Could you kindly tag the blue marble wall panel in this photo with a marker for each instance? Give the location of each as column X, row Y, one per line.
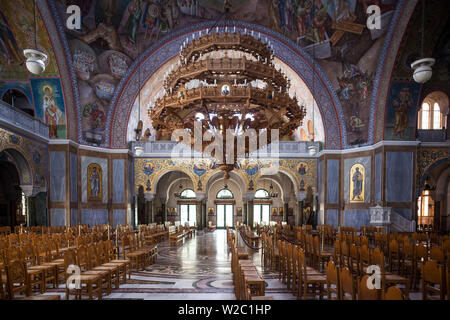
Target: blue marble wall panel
column 73, row 217
column 103, row 163
column 57, row 217
column 378, row 172
column 399, row 176
column 405, row 213
column 356, row 218
column 118, row 180
column 73, row 165
column 118, row 218
column 94, row 217
column 333, row 218
column 332, row 181
column 348, row 164
column 321, row 187
column 58, row 176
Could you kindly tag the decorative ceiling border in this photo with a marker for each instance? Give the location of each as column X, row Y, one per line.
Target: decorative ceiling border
column 56, row 33
column 286, row 50
column 389, row 54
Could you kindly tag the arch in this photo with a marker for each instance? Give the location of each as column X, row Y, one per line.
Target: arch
column 24, row 105
column 224, row 193
column 172, row 183
column 234, row 176
column 261, row 194
column 167, row 48
column 188, row 194
column 271, row 179
column 22, row 163
column 427, row 173
column 159, row 175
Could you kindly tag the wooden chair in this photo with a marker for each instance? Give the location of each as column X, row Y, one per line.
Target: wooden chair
column 437, row 255
column 387, row 277
column 347, row 284
column 393, row 293
column 320, row 255
column 364, row 293
column 432, row 281
column 3, row 279
column 17, row 278
column 89, row 284
column 354, row 260
column 395, row 259
column 337, row 253
column 84, row 262
column 310, row 284
column 95, row 263
column 420, row 257
column 137, row 258
column 333, row 283
column 110, row 256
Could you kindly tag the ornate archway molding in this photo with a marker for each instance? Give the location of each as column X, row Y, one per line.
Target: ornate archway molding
column 167, row 48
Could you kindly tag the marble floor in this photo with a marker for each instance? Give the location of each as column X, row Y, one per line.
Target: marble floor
column 198, row 269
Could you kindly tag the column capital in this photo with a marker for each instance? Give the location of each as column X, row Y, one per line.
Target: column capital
column 149, row 196
column 248, row 196
column 200, row 196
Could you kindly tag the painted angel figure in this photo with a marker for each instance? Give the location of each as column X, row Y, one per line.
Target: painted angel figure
column 95, row 183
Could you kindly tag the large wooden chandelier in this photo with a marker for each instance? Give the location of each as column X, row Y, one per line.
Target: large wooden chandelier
column 226, row 81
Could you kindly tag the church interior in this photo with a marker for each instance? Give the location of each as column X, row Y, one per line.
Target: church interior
column 224, row 150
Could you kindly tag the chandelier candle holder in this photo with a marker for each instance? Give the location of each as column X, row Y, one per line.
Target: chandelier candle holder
column 229, row 83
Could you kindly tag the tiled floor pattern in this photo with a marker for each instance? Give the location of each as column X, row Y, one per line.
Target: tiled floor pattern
column 199, row 269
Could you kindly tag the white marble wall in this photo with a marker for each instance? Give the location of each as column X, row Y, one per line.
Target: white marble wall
column 73, row 165
column 94, row 217
column 103, row 163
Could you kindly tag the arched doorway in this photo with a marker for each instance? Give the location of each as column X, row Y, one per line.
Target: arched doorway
column 11, row 197
column 18, row 100
column 433, row 203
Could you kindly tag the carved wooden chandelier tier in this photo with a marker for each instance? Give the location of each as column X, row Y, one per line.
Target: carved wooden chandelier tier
column 227, row 81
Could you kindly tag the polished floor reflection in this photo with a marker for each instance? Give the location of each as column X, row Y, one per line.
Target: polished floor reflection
column 198, row 269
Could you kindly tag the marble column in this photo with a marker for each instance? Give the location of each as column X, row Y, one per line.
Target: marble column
column 204, row 214
column 286, row 213
column 164, row 213
column 148, row 208
column 300, row 213
column 249, row 200
column 244, row 211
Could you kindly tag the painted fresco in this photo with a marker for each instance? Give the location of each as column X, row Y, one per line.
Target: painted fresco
column 18, row 34
column 115, row 32
column 401, row 111
column 49, row 105
column 357, row 183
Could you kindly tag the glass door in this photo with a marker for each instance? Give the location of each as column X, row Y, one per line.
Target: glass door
column 188, row 213
column 261, row 214
column 225, row 215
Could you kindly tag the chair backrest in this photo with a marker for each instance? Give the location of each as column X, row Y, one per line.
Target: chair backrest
column 347, row 284
column 333, row 280
column 394, row 293
column 437, row 254
column 421, row 253
column 432, row 275
column 364, row 293
column 364, row 255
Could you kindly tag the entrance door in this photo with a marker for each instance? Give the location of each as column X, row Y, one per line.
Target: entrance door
column 261, row 214
column 225, row 215
column 188, row 213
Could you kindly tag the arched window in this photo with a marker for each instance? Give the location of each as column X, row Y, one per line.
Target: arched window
column 425, row 116
column 225, row 194
column 188, row 194
column 437, row 117
column 261, row 194
column 430, row 116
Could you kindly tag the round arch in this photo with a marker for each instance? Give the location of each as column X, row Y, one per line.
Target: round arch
column 167, row 48
column 235, row 177
column 271, row 180
column 22, row 164
column 161, row 174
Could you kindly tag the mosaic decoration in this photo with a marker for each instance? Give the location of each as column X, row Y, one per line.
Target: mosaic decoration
column 149, row 171
column 32, row 170
column 428, row 158
column 94, row 182
column 357, row 173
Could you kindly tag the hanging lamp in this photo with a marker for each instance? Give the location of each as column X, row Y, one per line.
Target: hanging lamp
column 36, row 59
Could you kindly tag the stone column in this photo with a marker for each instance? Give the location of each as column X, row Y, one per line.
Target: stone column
column 201, row 217
column 204, row 214
column 286, row 208
column 249, row 205
column 300, row 198
column 148, row 208
column 164, row 213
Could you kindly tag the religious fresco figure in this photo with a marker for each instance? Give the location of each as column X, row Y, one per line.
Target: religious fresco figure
column 132, row 25
column 8, row 44
column 51, row 111
column 357, row 183
column 94, row 182
column 402, row 103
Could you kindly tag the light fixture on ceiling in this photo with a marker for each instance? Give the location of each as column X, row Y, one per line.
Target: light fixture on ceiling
column 138, row 148
column 423, row 67
column 35, row 59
